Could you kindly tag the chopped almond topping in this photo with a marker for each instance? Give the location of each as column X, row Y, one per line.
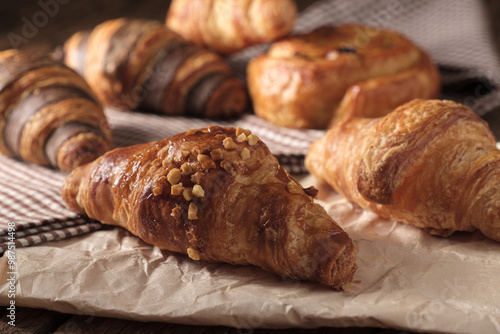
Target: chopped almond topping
column 252, row 140
column 206, row 161
column 216, row 154
column 174, row 176
column 241, row 138
column 192, row 132
column 177, row 189
column 158, row 191
column 196, row 177
column 193, row 254
column 188, row 193
column 176, row 212
column 198, row 191
column 245, row 153
column 192, row 211
column 187, row 169
column 229, row 144
column 239, row 131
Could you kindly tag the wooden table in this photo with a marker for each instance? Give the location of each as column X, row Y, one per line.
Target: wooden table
column 42, row 321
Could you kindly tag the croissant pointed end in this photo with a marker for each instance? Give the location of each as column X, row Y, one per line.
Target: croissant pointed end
column 79, row 150
column 342, row 269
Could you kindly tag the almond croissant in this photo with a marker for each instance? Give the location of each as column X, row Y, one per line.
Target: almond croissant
column 48, row 113
column 429, row 163
column 217, row 195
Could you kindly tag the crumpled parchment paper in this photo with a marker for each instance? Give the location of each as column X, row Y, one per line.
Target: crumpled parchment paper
column 406, row 279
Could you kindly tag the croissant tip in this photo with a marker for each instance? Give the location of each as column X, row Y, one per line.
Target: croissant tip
column 80, row 150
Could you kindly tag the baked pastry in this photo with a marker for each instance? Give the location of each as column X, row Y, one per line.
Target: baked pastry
column 217, row 195
column 48, row 113
column 227, row 26
column 429, row 163
column 140, row 64
column 315, row 80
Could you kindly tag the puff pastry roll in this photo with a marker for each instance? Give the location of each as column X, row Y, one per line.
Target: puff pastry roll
column 48, row 113
column 228, row 26
column 217, row 195
column 140, row 64
column 333, row 73
column 429, row 163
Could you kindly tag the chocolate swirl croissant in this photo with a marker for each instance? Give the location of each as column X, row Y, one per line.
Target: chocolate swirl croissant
column 140, row 64
column 48, row 113
column 228, row 26
column 429, row 163
column 217, row 195
column 334, row 73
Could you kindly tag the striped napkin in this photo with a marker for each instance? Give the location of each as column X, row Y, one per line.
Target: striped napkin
column 455, row 33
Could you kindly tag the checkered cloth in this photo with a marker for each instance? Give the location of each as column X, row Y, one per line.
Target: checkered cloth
column 455, row 33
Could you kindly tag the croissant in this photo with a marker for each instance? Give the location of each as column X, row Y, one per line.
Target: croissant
column 140, row 64
column 429, row 163
column 218, row 195
column 227, row 26
column 333, row 73
column 48, row 113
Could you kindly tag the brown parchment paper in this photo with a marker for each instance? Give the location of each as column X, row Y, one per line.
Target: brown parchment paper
column 406, row 279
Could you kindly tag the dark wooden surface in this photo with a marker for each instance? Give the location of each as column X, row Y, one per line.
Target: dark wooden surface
column 42, row 321
column 76, row 15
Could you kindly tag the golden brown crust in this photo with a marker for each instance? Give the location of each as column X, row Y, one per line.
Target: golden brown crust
column 140, row 64
column 333, row 73
column 228, row 26
column 218, row 195
column 429, row 163
column 45, row 106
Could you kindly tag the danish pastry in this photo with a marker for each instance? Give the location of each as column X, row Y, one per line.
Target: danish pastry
column 332, row 73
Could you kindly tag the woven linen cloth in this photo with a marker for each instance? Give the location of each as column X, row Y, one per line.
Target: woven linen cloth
column 455, row 33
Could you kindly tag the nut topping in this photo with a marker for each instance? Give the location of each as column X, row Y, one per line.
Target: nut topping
column 193, row 254
column 198, row 191
column 245, row 153
column 174, row 176
column 192, row 211
column 158, row 191
column 216, row 154
column 176, row 212
column 229, row 144
column 188, row 193
column 177, row 189
column 252, row 140
column 186, row 169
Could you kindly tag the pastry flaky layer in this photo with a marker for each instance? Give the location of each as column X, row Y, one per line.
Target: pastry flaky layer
column 429, row 163
column 135, row 64
column 48, row 113
column 333, row 73
column 217, row 195
column 228, row 26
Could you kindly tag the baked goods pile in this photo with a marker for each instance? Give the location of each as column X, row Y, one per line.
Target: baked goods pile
column 218, row 194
